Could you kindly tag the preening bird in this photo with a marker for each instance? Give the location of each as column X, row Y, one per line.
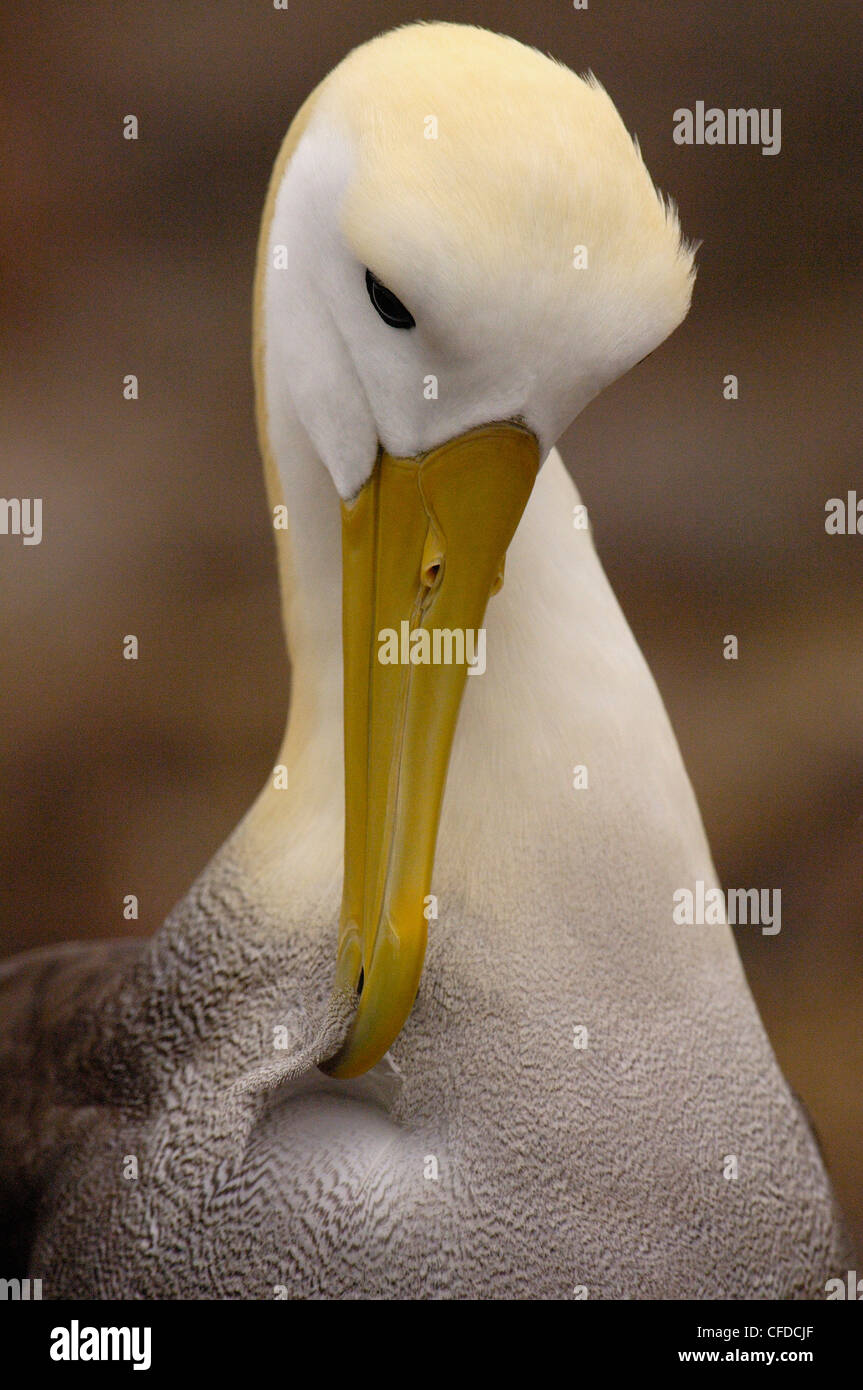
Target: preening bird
column 425, row 1026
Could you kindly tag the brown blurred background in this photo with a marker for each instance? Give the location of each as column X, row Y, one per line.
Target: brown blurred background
column 123, row 777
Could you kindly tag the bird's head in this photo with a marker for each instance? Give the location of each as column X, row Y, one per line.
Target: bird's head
column 461, row 247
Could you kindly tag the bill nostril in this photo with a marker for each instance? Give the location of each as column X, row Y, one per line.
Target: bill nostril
column 431, row 565
column 430, row 574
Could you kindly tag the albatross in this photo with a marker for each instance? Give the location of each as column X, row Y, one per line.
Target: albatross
column 426, row 1026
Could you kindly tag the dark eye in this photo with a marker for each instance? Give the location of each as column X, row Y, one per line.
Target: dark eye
column 391, row 310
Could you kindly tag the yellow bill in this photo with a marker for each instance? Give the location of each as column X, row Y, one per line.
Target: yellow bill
column 423, row 547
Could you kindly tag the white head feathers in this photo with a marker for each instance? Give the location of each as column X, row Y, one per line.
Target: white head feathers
column 501, row 199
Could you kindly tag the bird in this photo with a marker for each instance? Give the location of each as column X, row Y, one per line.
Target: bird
column 426, row 1026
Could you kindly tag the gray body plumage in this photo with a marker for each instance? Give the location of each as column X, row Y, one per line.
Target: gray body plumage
column 258, row 1177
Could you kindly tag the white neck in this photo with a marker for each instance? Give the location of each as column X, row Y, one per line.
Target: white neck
column 565, row 684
